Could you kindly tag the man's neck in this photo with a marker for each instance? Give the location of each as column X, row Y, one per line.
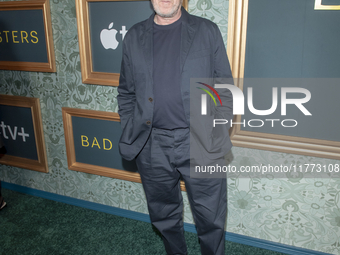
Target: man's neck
column 167, row 21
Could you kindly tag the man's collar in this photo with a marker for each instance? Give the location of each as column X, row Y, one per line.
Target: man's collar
column 185, row 16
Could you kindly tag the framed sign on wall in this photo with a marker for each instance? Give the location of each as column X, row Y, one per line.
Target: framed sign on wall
column 92, row 144
column 22, row 133
column 325, row 5
column 26, row 41
column 102, row 25
column 283, row 52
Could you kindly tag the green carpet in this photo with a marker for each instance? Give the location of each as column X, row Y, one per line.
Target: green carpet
column 33, row 225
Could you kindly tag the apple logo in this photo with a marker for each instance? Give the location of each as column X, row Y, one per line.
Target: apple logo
column 108, row 38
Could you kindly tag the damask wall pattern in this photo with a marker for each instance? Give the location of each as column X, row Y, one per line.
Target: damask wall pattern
column 304, row 212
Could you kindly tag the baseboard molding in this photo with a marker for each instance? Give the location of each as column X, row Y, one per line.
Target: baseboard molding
column 260, row 243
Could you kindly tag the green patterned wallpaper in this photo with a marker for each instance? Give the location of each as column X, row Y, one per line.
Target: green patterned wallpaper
column 297, row 211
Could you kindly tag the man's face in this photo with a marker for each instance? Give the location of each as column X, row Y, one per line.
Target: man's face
column 166, row 8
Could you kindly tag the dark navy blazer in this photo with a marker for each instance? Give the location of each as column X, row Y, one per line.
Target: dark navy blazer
column 203, row 55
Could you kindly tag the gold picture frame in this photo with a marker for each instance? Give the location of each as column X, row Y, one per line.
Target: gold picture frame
column 319, row 6
column 33, row 104
column 88, row 75
column 236, row 48
column 68, row 113
column 50, row 65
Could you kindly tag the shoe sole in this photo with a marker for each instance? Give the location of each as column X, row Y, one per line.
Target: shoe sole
column 3, row 205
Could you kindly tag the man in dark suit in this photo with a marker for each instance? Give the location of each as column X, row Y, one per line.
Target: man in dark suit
column 160, row 56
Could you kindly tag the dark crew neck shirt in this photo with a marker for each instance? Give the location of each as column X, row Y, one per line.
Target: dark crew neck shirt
column 168, row 105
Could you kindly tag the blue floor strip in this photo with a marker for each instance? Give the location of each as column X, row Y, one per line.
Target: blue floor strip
column 256, row 242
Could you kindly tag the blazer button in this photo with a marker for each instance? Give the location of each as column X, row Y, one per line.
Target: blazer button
column 148, row 122
column 150, row 99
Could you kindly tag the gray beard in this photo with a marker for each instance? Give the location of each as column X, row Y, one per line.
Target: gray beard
column 170, row 15
column 167, row 15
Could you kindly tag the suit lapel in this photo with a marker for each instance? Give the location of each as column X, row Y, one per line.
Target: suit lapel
column 187, row 37
column 147, row 42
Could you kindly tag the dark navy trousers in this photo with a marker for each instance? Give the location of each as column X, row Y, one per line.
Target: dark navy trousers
column 163, row 160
